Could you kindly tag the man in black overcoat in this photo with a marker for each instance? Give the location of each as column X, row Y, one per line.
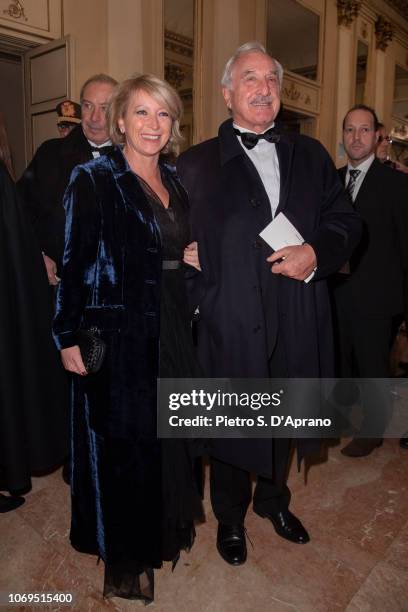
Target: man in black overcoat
column 374, row 287
column 259, row 318
column 43, row 183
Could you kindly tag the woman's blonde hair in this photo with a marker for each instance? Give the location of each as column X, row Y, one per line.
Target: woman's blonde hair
column 161, row 91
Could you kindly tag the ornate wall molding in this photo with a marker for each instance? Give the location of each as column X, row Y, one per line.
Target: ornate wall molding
column 174, row 74
column 31, row 20
column 182, row 45
column 399, row 131
column 347, row 11
column 300, row 95
column 364, row 30
column 384, row 33
column 15, row 10
column 293, row 94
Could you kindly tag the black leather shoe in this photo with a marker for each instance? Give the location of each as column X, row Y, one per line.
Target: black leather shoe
column 8, row 503
column 287, row 526
column 404, row 441
column 361, row 447
column 231, row 543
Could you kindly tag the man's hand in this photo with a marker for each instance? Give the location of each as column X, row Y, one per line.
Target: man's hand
column 51, row 268
column 298, row 261
column 191, row 256
column 72, row 360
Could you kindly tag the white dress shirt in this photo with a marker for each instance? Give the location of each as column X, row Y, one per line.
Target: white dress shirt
column 265, row 159
column 363, row 167
column 96, row 154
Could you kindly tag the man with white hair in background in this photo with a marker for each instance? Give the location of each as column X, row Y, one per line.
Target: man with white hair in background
column 258, row 318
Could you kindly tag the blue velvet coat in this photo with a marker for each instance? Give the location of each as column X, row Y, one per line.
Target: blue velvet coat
column 111, row 280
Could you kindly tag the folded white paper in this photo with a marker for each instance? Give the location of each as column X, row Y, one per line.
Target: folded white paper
column 280, row 233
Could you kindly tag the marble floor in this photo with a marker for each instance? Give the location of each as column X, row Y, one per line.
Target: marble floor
column 356, row 511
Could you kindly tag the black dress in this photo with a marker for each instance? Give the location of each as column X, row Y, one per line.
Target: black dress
column 181, row 504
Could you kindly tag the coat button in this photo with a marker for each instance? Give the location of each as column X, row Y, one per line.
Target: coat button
column 254, row 202
column 257, row 244
column 256, row 329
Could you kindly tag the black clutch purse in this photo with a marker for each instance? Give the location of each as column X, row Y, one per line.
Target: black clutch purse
column 92, row 348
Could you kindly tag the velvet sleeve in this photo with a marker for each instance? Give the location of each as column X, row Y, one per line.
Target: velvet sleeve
column 82, row 231
column 340, row 227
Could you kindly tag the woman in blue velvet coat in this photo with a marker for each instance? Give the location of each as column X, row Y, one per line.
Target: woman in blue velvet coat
column 133, row 496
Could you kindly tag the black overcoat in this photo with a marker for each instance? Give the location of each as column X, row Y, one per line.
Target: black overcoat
column 33, row 415
column 43, row 183
column 243, row 307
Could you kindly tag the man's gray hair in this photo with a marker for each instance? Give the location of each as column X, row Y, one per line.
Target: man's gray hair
column 249, row 47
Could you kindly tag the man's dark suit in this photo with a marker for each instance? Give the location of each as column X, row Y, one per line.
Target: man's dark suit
column 376, row 289
column 376, row 285
column 248, row 314
column 43, row 184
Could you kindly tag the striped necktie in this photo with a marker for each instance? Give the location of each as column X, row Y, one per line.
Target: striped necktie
column 352, row 182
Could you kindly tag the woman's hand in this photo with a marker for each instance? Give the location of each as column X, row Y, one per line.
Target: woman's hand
column 51, row 268
column 72, row 360
column 191, row 256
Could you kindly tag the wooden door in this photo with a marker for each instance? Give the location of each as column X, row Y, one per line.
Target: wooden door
column 47, row 79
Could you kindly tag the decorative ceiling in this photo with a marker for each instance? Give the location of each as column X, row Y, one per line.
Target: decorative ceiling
column 401, row 6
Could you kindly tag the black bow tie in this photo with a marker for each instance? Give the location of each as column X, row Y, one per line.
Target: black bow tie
column 102, row 150
column 250, row 139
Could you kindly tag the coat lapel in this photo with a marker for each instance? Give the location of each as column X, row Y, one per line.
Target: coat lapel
column 170, row 175
column 132, row 193
column 77, row 149
column 368, row 184
column 230, row 148
column 240, row 172
column 285, row 150
column 342, row 174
